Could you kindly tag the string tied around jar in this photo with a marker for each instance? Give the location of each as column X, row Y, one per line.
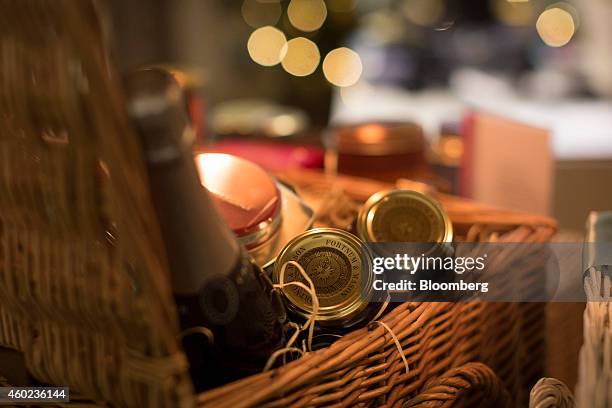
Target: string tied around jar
column 310, row 322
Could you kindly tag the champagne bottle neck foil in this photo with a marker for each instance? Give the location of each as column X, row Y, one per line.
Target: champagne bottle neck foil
column 199, row 245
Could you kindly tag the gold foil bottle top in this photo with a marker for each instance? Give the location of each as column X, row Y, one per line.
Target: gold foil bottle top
column 340, row 267
column 403, row 216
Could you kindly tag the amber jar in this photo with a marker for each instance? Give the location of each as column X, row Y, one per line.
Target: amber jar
column 382, row 151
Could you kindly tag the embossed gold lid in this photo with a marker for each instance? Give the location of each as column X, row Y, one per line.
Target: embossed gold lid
column 340, row 266
column 403, row 216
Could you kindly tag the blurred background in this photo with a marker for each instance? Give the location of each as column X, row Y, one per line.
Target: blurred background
column 504, row 101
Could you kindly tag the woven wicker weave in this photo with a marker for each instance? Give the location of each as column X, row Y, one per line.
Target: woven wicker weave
column 83, row 286
column 595, row 377
column 364, row 367
column 551, row 393
column 86, row 309
column 470, row 385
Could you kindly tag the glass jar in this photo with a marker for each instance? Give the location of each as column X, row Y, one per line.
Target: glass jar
column 398, row 222
column 340, row 267
column 403, row 216
column 263, row 213
column 383, row 151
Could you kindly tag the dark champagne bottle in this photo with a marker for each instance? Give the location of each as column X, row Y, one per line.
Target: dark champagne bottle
column 226, row 305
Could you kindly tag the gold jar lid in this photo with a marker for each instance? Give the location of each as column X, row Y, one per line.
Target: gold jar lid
column 403, row 216
column 340, row 267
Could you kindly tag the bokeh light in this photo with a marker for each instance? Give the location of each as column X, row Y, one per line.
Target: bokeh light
column 515, row 13
column 341, row 6
column 307, row 15
column 302, row 57
column 382, row 27
column 283, row 125
column 423, row 12
column 452, row 147
column 267, row 46
column 371, row 133
column 259, row 13
column 342, row 67
column 556, row 26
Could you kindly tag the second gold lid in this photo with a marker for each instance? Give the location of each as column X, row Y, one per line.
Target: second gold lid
column 403, row 216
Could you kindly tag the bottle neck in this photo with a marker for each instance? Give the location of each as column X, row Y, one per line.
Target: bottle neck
column 199, row 245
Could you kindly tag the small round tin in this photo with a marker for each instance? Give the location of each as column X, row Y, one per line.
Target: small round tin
column 340, row 266
column 403, row 216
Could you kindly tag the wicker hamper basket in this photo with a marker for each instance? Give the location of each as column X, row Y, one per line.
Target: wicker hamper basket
column 595, row 373
column 84, row 292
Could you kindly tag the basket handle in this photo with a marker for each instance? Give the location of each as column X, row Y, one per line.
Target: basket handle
column 551, row 393
column 472, row 384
